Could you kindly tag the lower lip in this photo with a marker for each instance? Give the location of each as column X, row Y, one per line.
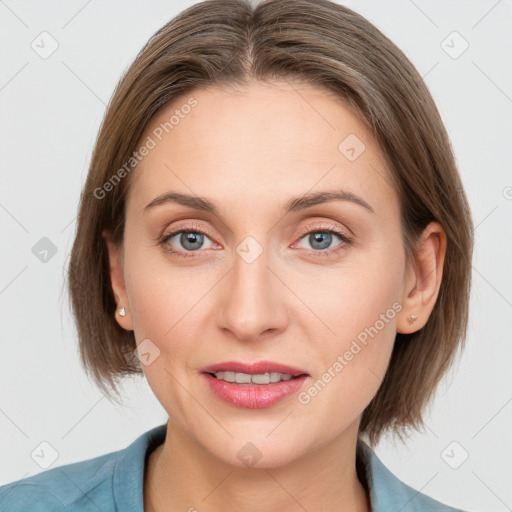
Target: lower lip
column 254, row 396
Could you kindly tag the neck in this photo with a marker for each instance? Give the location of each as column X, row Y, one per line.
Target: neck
column 181, row 475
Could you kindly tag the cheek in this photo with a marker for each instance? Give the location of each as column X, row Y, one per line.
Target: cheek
column 169, row 307
column 354, row 297
column 161, row 296
column 164, row 305
column 360, row 308
column 352, row 365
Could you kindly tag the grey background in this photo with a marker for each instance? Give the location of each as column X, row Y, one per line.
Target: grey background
column 51, row 109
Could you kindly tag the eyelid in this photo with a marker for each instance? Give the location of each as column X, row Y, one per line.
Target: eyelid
column 325, row 226
column 187, row 226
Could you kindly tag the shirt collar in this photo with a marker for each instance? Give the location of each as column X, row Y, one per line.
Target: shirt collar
column 386, row 491
column 128, row 479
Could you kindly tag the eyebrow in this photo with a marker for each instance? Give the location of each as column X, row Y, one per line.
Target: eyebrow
column 292, row 205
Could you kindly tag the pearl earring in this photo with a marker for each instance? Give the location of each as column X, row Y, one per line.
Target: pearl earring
column 412, row 319
column 120, row 311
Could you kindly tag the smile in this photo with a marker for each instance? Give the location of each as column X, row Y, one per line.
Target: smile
column 253, row 395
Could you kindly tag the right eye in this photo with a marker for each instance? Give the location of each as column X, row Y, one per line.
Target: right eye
column 189, row 240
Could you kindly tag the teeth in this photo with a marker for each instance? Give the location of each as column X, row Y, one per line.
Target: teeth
column 246, row 378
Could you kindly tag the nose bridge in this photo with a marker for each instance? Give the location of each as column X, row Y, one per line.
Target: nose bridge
column 253, row 301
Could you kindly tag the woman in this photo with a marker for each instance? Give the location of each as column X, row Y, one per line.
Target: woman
column 273, row 230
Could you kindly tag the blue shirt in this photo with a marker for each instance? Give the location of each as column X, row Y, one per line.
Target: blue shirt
column 114, row 482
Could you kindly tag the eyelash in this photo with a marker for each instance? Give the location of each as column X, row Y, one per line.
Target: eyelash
column 194, row 228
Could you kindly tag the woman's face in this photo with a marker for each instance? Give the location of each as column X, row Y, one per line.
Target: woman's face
column 260, row 275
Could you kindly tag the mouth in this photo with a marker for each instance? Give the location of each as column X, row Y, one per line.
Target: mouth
column 253, row 386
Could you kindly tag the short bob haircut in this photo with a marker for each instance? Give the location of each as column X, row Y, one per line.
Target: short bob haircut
column 315, row 42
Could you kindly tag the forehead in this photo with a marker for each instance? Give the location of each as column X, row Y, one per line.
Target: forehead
column 273, row 138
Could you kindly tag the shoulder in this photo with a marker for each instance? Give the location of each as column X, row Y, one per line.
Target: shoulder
column 387, row 492
column 71, row 486
column 109, row 482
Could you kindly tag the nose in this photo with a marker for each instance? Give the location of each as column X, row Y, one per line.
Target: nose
column 254, row 300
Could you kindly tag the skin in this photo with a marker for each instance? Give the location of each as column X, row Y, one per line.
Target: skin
column 250, row 150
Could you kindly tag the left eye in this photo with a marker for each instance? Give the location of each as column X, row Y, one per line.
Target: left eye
column 321, row 240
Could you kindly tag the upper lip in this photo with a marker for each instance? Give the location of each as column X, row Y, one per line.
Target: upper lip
column 254, row 368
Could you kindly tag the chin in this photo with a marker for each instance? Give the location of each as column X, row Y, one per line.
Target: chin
column 255, row 448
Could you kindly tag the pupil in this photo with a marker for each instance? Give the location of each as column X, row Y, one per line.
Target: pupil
column 322, row 237
column 189, row 239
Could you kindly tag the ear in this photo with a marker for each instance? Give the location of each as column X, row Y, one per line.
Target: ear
column 423, row 279
column 115, row 256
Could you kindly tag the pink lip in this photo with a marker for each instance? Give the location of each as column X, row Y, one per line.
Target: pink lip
column 254, row 368
column 253, row 396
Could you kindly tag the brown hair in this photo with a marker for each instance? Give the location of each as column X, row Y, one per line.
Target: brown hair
column 317, row 42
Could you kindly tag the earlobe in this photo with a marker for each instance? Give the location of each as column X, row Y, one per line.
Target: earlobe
column 122, row 313
column 423, row 280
